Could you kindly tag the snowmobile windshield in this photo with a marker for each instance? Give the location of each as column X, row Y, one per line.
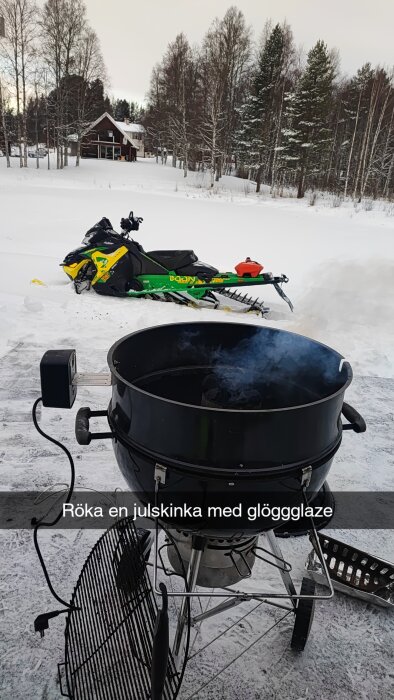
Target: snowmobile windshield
column 102, row 228
column 101, row 236
column 87, row 238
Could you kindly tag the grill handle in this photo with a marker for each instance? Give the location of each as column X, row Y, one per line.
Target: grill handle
column 82, row 432
column 356, row 422
column 160, row 651
column 60, row 679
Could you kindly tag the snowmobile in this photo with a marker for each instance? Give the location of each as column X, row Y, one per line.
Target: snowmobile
column 114, row 264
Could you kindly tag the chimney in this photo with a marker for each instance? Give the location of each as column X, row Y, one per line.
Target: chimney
column 126, row 120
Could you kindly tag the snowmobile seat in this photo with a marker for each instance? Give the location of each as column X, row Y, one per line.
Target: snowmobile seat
column 199, row 269
column 173, row 259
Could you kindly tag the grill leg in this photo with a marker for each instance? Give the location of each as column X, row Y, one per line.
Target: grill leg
column 286, row 578
column 192, row 574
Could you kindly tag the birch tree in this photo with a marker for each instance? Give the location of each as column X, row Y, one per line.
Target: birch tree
column 3, row 107
column 233, row 38
column 176, row 73
column 382, row 96
column 359, row 85
column 89, row 65
column 20, row 18
column 213, row 119
column 63, row 23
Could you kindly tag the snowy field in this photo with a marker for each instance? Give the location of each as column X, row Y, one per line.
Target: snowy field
column 340, row 264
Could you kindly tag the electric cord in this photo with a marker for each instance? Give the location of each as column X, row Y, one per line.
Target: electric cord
column 41, row 622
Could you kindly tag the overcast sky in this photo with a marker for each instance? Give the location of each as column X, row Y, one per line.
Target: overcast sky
column 134, row 35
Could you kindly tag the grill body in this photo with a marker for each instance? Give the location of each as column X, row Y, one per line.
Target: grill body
column 214, row 454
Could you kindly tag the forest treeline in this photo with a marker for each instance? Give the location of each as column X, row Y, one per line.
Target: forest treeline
column 52, row 78
column 258, row 108
column 269, row 113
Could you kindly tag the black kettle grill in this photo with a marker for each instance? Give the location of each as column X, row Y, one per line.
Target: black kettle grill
column 213, row 414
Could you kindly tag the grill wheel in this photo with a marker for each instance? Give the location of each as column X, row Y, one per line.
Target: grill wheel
column 304, row 616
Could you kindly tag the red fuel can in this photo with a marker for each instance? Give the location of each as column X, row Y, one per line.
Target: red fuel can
column 248, row 268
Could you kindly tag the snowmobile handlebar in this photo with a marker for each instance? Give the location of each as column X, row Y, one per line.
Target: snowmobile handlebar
column 132, row 223
column 135, row 218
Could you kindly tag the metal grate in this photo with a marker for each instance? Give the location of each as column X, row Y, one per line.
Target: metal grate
column 109, row 640
column 354, row 572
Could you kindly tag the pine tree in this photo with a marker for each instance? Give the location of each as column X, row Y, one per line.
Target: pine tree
column 122, row 110
column 136, row 112
column 308, row 139
column 256, row 136
column 99, row 102
column 36, row 119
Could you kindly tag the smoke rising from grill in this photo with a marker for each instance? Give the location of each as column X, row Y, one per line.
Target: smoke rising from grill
column 280, row 367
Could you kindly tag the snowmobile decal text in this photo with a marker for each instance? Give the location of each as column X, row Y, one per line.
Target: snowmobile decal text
column 185, row 279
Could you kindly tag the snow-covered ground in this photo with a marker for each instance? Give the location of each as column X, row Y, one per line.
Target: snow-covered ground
column 340, row 264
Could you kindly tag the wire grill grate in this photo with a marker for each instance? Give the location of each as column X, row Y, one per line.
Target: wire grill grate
column 109, row 639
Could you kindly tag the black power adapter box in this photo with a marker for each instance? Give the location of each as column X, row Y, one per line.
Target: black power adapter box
column 57, row 371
